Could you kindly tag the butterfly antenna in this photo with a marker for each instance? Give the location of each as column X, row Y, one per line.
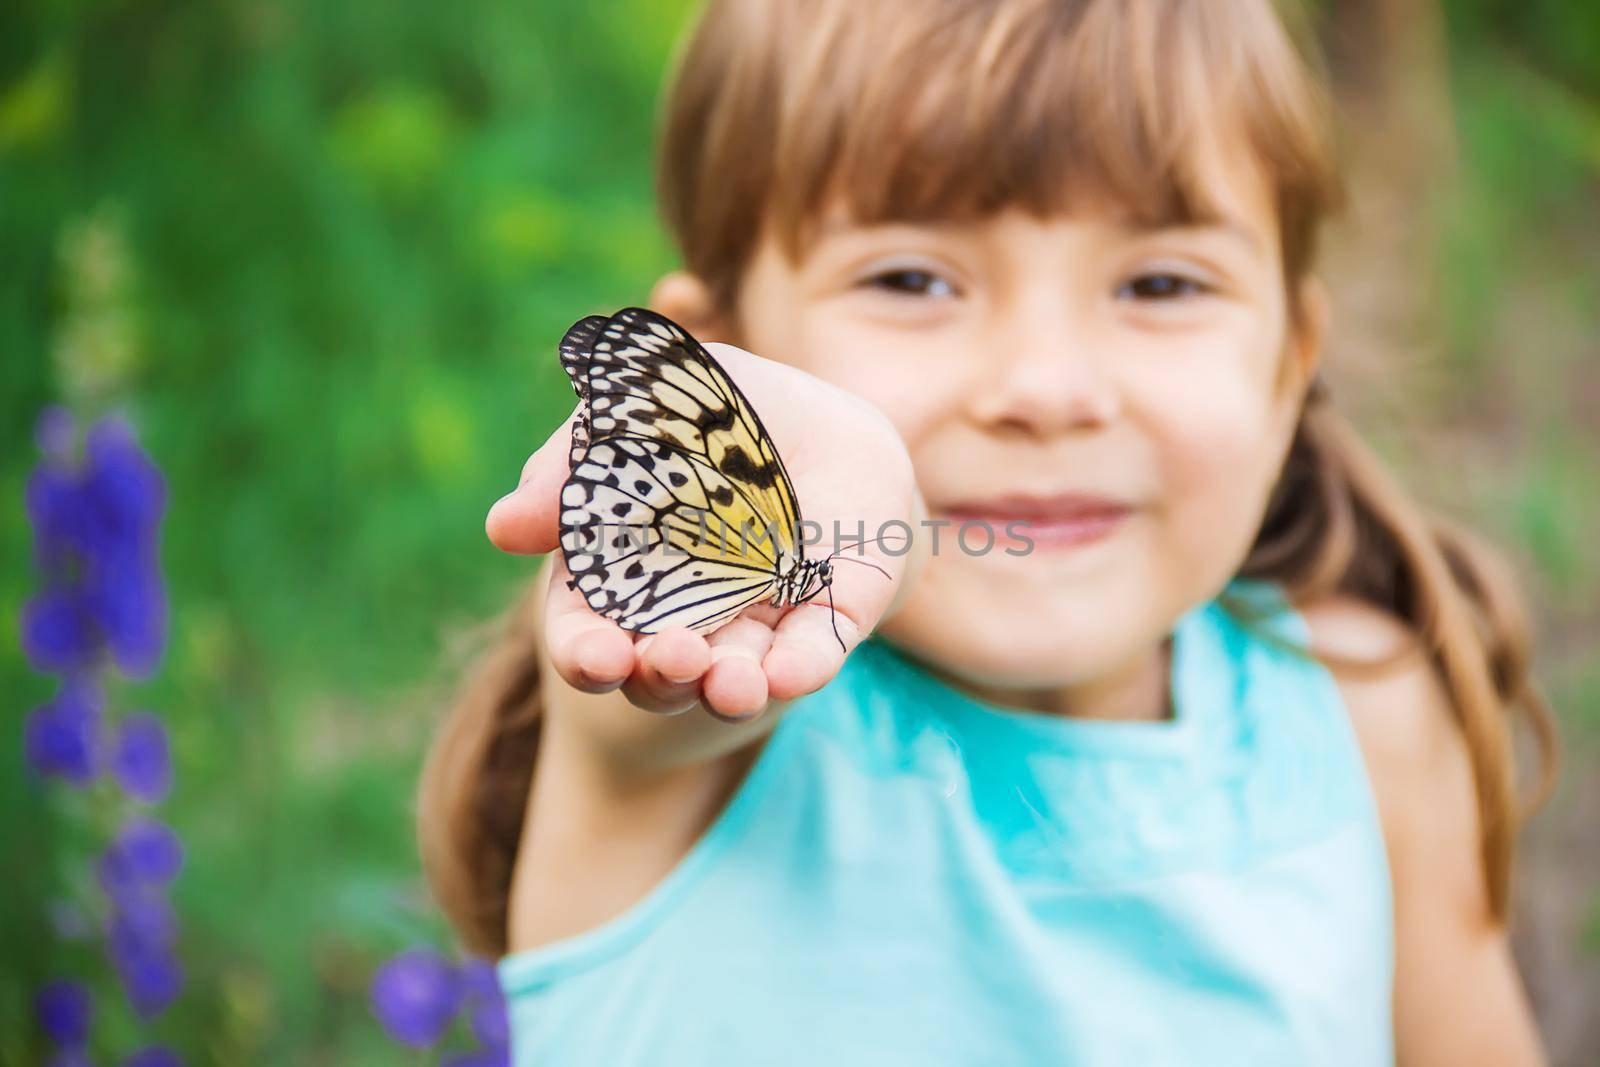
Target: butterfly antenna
column 854, row 559
column 866, row 541
column 833, row 617
column 863, row 562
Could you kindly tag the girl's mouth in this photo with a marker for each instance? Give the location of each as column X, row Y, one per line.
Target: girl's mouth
column 1022, row 524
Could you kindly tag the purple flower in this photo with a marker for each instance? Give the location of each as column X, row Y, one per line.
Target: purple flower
column 57, row 634
column 145, row 853
column 95, row 524
column 479, row 979
column 95, row 533
column 142, row 759
column 486, row 1002
column 154, row 1056
column 126, row 488
column 95, row 530
column 55, row 506
column 65, row 1009
column 141, row 922
column 490, row 1024
column 62, row 737
column 415, row 996
column 123, row 592
column 151, row 976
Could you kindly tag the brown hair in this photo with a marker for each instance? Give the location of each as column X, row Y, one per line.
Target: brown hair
column 955, row 108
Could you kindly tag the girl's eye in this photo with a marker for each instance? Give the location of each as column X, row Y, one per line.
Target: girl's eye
column 1161, row 285
column 911, row 281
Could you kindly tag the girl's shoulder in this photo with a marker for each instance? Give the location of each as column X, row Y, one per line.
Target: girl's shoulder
column 1397, row 702
column 1415, row 751
column 1423, row 779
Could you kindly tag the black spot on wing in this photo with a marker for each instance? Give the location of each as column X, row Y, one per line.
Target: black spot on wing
column 740, row 468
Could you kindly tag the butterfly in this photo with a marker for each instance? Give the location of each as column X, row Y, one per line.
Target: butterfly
column 678, row 510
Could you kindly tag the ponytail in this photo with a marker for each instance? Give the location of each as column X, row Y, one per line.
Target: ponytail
column 475, row 782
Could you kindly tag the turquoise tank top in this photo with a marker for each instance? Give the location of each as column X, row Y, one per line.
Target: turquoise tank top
column 909, row 876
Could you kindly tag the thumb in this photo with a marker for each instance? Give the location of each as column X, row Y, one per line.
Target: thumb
column 526, row 520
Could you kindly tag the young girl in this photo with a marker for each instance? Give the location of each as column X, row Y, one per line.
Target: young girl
column 1117, row 790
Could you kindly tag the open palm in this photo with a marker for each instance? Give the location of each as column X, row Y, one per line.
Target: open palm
column 852, row 475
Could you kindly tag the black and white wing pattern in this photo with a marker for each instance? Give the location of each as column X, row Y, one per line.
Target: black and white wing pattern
column 678, row 510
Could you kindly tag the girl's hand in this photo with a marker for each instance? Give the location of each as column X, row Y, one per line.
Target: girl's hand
column 849, row 467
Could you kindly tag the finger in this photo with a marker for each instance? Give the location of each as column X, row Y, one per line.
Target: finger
column 526, row 520
column 670, row 666
column 806, row 652
column 735, row 688
column 590, row 652
column 865, row 582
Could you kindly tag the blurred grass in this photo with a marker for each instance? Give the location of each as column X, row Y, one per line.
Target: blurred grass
column 348, row 237
column 322, row 252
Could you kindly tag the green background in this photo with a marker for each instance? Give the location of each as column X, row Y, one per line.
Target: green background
column 321, row 254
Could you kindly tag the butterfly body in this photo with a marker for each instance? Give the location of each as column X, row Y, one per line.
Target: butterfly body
column 678, row 509
column 804, row 579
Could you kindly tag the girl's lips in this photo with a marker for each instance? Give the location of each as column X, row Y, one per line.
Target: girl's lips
column 1046, row 522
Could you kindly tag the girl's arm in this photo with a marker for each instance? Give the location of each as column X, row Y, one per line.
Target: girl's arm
column 1458, row 998
column 644, row 739
column 618, row 796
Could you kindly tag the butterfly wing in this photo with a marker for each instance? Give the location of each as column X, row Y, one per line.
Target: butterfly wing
column 649, row 378
column 575, row 349
column 651, row 535
column 678, row 510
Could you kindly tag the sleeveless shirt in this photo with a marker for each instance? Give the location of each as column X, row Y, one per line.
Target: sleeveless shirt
column 908, row 875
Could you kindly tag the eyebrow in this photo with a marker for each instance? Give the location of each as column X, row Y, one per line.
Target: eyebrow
column 1224, row 224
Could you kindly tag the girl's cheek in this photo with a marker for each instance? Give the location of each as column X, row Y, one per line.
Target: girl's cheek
column 913, row 384
column 1216, row 448
column 1215, row 434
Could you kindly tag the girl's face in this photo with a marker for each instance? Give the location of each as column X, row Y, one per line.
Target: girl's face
column 1057, row 372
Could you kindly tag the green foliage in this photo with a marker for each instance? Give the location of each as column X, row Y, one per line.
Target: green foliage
column 322, row 253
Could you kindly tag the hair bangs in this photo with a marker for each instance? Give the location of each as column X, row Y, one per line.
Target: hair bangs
column 949, row 110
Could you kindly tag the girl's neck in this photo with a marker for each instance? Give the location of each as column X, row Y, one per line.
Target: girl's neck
column 1138, row 691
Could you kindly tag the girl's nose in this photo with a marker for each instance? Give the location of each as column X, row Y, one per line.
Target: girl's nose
column 1045, row 375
